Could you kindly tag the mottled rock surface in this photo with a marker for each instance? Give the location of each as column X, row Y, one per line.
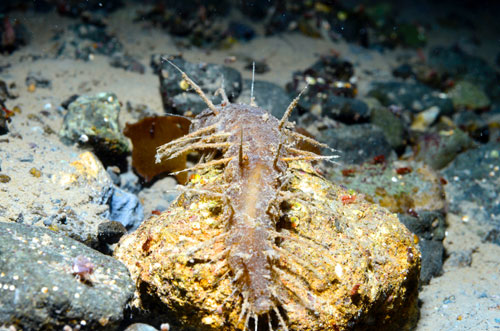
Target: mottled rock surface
column 178, row 97
column 40, row 289
column 472, row 190
column 93, row 121
column 352, row 263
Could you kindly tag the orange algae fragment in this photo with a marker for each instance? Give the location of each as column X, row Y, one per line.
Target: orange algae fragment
column 147, row 135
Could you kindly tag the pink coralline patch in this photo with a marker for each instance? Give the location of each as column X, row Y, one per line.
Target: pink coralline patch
column 82, row 267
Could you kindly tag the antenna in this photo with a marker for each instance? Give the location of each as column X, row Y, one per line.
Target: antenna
column 252, row 99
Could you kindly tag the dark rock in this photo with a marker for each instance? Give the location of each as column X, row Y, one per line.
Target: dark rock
column 125, row 207
column 430, row 227
column 438, row 150
column 83, row 41
column 38, row 80
column 268, row 96
column 414, row 97
column 454, row 62
column 346, row 110
column 127, row 62
column 4, row 91
column 110, row 232
column 13, row 35
column 4, row 129
column 472, row 189
column 41, row 290
column 476, row 126
column 403, row 71
column 357, row 143
column 75, row 8
column 179, row 97
column 93, row 121
column 65, row 104
column 241, row 31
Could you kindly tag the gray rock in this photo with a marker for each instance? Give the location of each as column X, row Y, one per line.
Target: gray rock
column 455, row 63
column 430, row 227
column 125, row 207
column 472, row 189
column 356, row 143
column 93, row 121
column 40, row 289
column 439, row 150
column 178, row 97
column 414, row 97
column 268, row 96
column 347, row 110
column 69, row 196
column 392, row 125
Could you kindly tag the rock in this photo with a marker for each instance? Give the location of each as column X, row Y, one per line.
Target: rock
column 468, row 95
column 13, row 34
column 38, row 80
column 472, row 189
column 40, row 289
column 4, row 128
column 454, row 62
column 327, row 78
column 439, row 149
column 178, row 97
column 127, row 62
column 477, row 126
column 346, row 110
column 268, row 96
column 110, row 232
column 69, row 196
column 403, row 71
column 414, row 97
column 124, row 207
column 140, row 327
column 430, row 227
column 392, row 126
column 460, row 259
column 159, row 196
column 401, row 187
column 84, row 41
column 356, row 143
column 364, row 274
column 93, row 121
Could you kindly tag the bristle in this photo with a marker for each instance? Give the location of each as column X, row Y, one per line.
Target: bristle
column 240, row 150
column 311, row 158
column 205, row 165
column 303, row 301
column 222, row 92
column 290, row 108
column 304, row 264
column 194, row 86
column 309, row 140
column 269, row 322
column 282, row 321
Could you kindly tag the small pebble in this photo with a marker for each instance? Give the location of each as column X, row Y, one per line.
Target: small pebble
column 4, row 179
column 35, row 172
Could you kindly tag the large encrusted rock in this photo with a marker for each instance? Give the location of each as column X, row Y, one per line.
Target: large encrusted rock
column 344, row 263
